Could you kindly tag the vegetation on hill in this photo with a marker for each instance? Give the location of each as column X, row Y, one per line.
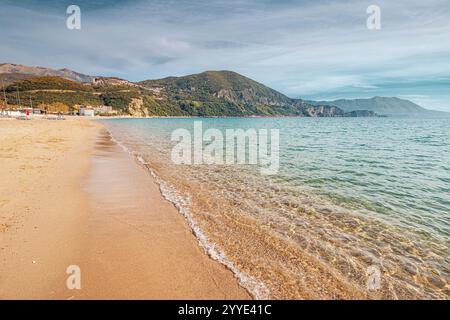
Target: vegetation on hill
column 49, row 90
column 221, row 93
column 47, row 83
column 56, row 107
column 8, row 78
column 28, row 98
column 118, row 100
column 211, row 93
column 218, row 84
column 69, row 98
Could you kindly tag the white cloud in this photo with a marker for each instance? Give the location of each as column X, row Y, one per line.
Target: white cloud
column 298, row 47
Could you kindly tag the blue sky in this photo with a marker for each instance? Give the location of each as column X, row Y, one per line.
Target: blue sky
column 309, row 49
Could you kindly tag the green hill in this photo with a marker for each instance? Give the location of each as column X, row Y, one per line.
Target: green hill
column 221, row 84
column 211, row 93
column 47, row 90
column 215, row 93
column 226, row 93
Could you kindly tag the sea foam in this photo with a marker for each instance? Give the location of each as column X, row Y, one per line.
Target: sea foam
column 255, row 287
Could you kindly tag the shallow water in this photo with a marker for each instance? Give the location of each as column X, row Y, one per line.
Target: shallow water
column 349, row 194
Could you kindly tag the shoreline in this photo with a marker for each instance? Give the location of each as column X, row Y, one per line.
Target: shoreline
column 300, row 245
column 255, row 288
column 98, row 211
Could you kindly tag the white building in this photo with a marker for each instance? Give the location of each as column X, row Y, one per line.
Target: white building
column 87, row 112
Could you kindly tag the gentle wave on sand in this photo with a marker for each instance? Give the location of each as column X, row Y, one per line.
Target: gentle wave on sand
column 351, row 194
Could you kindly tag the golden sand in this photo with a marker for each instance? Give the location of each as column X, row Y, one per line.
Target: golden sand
column 69, row 196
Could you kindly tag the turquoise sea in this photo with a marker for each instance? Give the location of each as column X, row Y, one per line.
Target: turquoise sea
column 351, row 195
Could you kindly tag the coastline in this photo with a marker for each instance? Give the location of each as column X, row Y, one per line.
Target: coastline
column 73, row 197
column 295, row 243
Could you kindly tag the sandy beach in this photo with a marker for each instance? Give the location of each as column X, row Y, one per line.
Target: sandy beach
column 70, row 196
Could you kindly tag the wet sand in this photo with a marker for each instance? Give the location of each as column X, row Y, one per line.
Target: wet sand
column 72, row 197
column 139, row 244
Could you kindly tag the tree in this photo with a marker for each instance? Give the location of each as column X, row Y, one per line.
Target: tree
column 57, row 107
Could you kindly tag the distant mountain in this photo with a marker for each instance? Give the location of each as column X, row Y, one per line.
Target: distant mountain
column 382, row 106
column 10, row 72
column 210, row 93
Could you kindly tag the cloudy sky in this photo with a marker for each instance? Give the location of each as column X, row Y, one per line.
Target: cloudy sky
column 311, row 49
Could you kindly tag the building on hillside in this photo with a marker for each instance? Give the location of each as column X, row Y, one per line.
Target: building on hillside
column 87, row 111
column 90, row 111
column 103, row 110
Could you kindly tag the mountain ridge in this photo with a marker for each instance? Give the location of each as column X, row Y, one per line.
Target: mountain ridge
column 209, row 93
column 15, row 72
column 389, row 106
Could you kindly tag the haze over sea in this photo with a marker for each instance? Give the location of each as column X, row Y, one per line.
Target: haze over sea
column 351, row 193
